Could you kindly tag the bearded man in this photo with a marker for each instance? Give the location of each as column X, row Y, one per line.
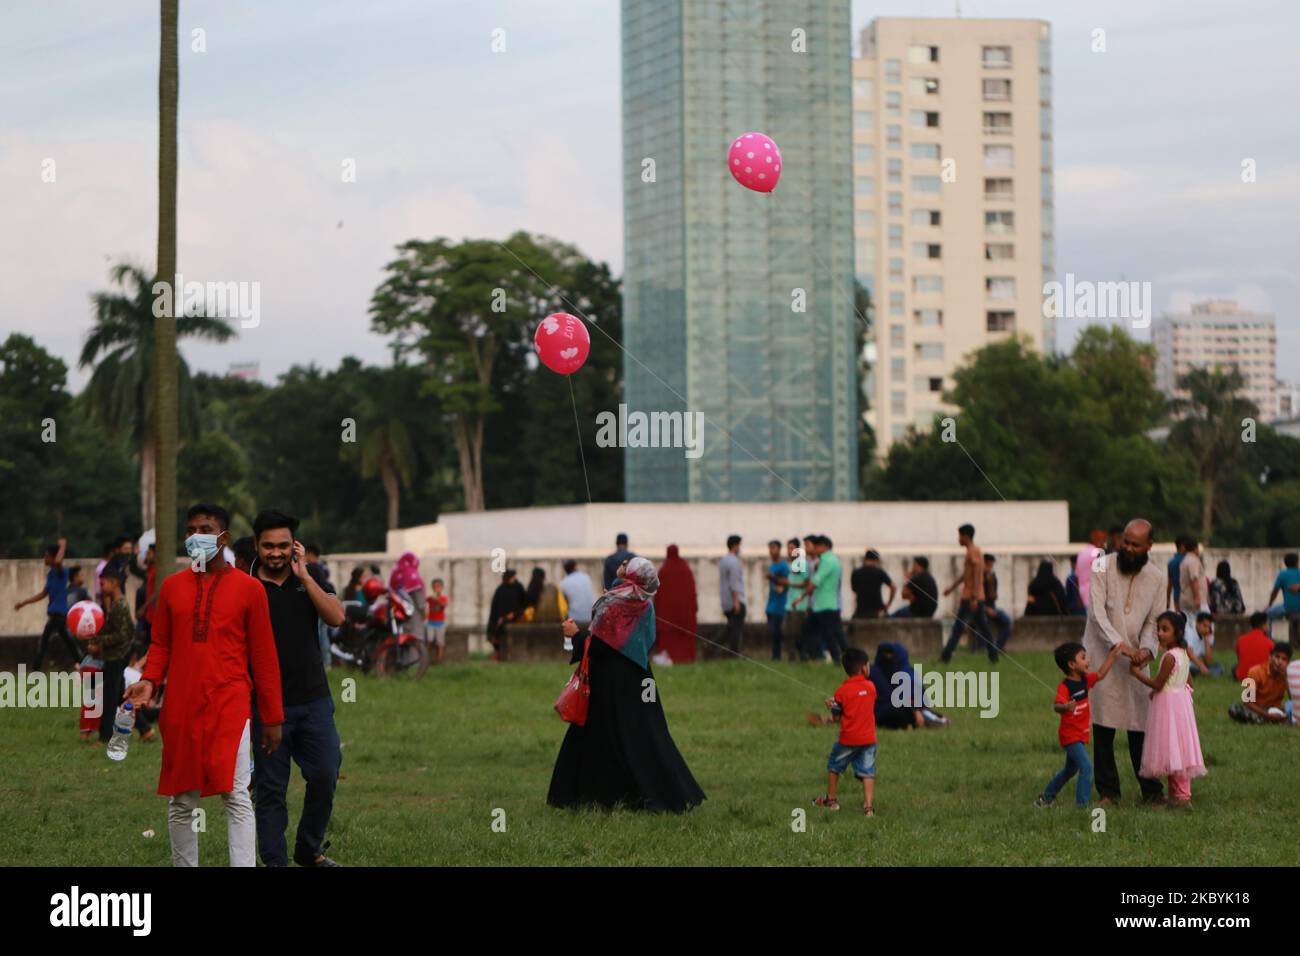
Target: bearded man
column 1126, row 596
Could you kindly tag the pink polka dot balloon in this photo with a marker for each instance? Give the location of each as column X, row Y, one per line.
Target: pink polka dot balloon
column 755, row 162
column 562, row 342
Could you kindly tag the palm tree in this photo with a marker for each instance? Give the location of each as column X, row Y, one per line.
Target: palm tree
column 122, row 347
column 387, row 424
column 1210, row 428
column 165, row 357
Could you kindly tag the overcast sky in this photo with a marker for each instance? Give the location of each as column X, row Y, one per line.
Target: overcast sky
column 450, row 138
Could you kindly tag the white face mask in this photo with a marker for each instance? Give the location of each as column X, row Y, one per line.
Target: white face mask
column 202, row 547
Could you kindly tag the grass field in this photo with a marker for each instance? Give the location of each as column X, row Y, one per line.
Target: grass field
column 425, row 765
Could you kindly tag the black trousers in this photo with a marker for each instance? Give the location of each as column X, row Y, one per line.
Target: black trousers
column 56, row 624
column 1106, row 774
column 114, row 685
column 735, row 628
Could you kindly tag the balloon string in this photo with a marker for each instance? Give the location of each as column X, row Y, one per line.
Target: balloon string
column 581, row 454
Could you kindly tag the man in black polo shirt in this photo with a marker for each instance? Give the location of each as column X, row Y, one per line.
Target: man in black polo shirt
column 298, row 601
column 866, row 583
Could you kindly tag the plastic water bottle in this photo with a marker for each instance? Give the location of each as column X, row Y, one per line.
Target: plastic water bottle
column 123, row 724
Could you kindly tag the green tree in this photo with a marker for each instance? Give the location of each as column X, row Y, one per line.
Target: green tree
column 1210, row 427
column 466, row 309
column 122, row 348
column 388, row 424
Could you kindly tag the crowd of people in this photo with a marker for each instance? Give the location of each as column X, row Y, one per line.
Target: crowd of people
column 243, row 665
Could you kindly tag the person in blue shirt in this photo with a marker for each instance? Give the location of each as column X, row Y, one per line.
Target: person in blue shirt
column 778, row 586
column 1288, row 583
column 1174, row 589
column 56, row 590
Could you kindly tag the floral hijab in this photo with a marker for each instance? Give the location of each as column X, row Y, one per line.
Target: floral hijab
column 623, row 617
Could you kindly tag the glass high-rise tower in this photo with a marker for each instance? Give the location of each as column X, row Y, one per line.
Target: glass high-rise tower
column 739, row 305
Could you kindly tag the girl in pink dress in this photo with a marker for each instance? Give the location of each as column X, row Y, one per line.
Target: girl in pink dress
column 1172, row 747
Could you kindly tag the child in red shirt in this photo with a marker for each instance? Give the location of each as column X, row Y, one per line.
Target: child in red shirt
column 1076, row 721
column 854, row 708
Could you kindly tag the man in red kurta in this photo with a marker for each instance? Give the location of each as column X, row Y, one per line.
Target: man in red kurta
column 211, row 627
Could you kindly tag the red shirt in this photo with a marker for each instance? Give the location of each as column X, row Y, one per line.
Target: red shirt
column 437, row 604
column 857, row 696
column 1076, row 724
column 1253, row 649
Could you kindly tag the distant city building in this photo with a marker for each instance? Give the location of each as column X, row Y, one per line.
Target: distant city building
column 739, row 304
column 1219, row 333
column 1288, row 400
column 952, row 200
column 244, row 370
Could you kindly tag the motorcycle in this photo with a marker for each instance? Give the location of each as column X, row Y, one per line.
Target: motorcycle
column 371, row 637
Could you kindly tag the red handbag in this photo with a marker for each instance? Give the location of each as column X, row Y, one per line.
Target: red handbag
column 572, row 702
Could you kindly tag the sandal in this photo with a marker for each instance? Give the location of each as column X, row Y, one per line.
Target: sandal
column 827, row 802
column 868, row 810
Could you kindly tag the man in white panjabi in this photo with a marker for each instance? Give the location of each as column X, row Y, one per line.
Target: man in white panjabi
column 1127, row 594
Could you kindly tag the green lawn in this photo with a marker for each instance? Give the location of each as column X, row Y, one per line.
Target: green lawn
column 425, row 765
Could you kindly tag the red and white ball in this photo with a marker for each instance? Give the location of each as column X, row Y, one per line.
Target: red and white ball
column 85, row 619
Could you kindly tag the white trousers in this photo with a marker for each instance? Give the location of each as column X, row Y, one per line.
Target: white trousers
column 240, row 823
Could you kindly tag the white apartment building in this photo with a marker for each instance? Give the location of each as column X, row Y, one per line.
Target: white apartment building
column 953, row 218
column 1219, row 333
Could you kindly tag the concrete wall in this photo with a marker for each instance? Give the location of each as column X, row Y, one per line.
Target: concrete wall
column 575, row 530
column 470, row 579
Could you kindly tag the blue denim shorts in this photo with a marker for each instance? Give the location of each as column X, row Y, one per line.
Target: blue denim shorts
column 862, row 756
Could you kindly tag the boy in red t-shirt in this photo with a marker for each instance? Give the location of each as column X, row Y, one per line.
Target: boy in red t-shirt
column 1076, row 721
column 854, row 708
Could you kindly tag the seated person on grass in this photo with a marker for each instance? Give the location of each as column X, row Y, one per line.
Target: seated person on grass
column 1201, row 653
column 1253, row 647
column 1266, row 691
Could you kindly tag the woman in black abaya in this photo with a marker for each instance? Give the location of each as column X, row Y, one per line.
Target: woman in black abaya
column 624, row 754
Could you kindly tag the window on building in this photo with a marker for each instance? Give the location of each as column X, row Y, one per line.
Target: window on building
column 1000, row 287
column 997, row 90
column 864, row 153
column 997, row 124
column 1000, row 321
column 919, row 53
column 864, row 219
column 896, row 269
column 928, row 351
column 997, row 57
column 894, row 136
column 896, row 235
column 898, row 371
column 923, row 86
column 864, row 255
column 896, row 337
column 999, row 222
column 998, row 188
column 864, row 185
column 893, row 71
column 926, row 118
column 895, row 204
column 926, row 184
column 927, row 316
column 863, row 120
column 936, row 384
column 923, row 284
column 895, row 303
column 893, row 103
column 863, row 89
column 998, row 156
column 926, row 250
column 999, row 250
column 926, row 217
column 894, row 168
column 925, row 151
